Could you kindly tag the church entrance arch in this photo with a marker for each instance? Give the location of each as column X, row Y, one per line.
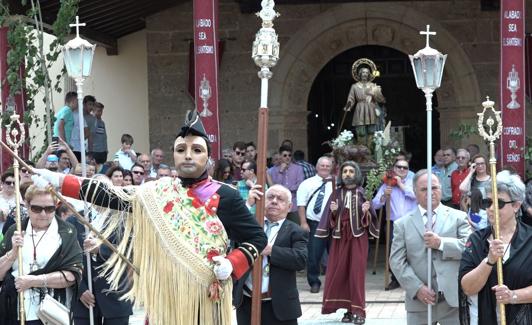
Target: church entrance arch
column 349, row 26
column 405, row 104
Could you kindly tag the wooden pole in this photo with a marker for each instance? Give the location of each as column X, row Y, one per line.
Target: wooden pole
column 376, row 256
column 262, row 145
column 387, row 253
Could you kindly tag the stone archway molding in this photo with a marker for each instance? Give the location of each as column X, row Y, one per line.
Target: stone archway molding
column 354, row 24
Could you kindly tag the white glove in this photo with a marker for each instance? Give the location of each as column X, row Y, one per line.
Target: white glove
column 223, row 267
column 46, row 175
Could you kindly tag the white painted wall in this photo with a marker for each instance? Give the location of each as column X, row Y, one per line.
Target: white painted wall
column 119, row 82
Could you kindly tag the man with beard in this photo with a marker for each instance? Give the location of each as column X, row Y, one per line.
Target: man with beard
column 176, row 234
column 348, row 220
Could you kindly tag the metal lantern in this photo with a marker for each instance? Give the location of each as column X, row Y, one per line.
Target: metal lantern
column 78, row 54
column 428, row 65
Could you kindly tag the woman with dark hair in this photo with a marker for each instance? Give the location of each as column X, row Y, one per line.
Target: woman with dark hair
column 116, row 175
column 51, row 259
column 478, row 274
column 477, row 177
column 223, row 171
column 478, row 218
column 127, row 178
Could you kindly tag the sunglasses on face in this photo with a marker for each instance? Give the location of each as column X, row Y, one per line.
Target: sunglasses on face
column 240, row 153
column 137, row 172
column 40, row 209
column 402, row 167
column 486, row 203
column 10, row 183
column 24, row 170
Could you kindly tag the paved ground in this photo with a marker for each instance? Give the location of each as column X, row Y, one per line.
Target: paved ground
column 382, row 307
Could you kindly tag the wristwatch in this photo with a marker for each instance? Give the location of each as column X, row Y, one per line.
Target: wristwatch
column 488, row 262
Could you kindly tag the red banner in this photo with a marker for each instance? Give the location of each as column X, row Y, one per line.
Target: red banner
column 206, row 69
column 18, row 101
column 513, row 84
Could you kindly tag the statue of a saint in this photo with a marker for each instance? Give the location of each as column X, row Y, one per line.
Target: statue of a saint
column 366, row 95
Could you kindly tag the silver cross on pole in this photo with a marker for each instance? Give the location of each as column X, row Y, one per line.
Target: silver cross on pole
column 77, row 25
column 427, row 33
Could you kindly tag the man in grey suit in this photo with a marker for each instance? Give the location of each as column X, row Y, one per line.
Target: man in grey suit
column 408, row 257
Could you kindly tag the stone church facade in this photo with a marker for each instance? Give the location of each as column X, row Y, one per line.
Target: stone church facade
column 310, row 36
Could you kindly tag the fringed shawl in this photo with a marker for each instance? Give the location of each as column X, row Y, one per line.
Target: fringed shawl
column 171, row 239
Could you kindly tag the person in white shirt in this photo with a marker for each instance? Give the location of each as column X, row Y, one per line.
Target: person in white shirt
column 126, row 156
column 312, row 196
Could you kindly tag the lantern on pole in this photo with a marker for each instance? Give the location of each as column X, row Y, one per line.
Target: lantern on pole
column 427, row 65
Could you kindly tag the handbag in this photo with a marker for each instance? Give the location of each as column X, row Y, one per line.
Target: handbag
column 52, row 312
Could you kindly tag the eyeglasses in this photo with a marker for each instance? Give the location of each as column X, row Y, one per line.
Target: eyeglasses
column 40, row 209
column 287, row 155
column 9, row 183
column 486, row 203
column 401, row 167
column 137, row 172
column 240, row 153
column 24, row 170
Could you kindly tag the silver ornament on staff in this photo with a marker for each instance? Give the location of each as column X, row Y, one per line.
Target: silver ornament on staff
column 491, row 133
column 428, row 65
column 15, row 135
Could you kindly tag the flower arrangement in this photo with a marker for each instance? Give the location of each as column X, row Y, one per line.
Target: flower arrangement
column 345, row 138
column 386, row 152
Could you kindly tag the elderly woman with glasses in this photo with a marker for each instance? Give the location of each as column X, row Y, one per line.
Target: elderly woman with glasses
column 477, row 176
column 478, row 275
column 51, row 259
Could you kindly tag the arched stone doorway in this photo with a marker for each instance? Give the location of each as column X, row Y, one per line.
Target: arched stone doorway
column 349, row 25
column 405, row 105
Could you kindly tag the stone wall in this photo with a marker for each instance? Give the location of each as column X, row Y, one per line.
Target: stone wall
column 310, row 36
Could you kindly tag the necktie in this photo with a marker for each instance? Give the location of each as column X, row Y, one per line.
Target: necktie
column 319, row 199
column 269, row 226
column 427, row 221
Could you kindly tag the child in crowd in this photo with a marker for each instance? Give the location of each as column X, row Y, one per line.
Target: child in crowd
column 126, row 156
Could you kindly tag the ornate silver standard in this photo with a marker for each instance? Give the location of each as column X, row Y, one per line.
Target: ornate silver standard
column 15, row 138
column 265, row 54
column 491, row 132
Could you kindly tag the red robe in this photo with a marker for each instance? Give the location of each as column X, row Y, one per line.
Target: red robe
column 346, row 268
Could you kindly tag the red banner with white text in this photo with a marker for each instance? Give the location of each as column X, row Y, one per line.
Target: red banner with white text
column 206, row 69
column 513, row 84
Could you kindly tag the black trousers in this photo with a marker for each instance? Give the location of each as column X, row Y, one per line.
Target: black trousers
column 267, row 317
column 100, row 320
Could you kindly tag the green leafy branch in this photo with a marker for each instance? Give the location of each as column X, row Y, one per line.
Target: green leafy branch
column 464, row 130
column 26, row 42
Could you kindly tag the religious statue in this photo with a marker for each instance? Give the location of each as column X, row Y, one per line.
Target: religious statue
column 367, row 96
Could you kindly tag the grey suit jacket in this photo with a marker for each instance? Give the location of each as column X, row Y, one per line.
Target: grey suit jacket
column 408, row 257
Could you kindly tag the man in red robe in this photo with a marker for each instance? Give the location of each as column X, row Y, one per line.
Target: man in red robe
column 349, row 220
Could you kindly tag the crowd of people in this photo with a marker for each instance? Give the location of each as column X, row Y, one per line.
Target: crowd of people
column 317, row 217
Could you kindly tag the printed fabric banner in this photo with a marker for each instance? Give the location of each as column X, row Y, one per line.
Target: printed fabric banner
column 206, row 69
column 513, row 84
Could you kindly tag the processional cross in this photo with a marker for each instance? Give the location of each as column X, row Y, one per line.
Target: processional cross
column 427, row 33
column 77, row 25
